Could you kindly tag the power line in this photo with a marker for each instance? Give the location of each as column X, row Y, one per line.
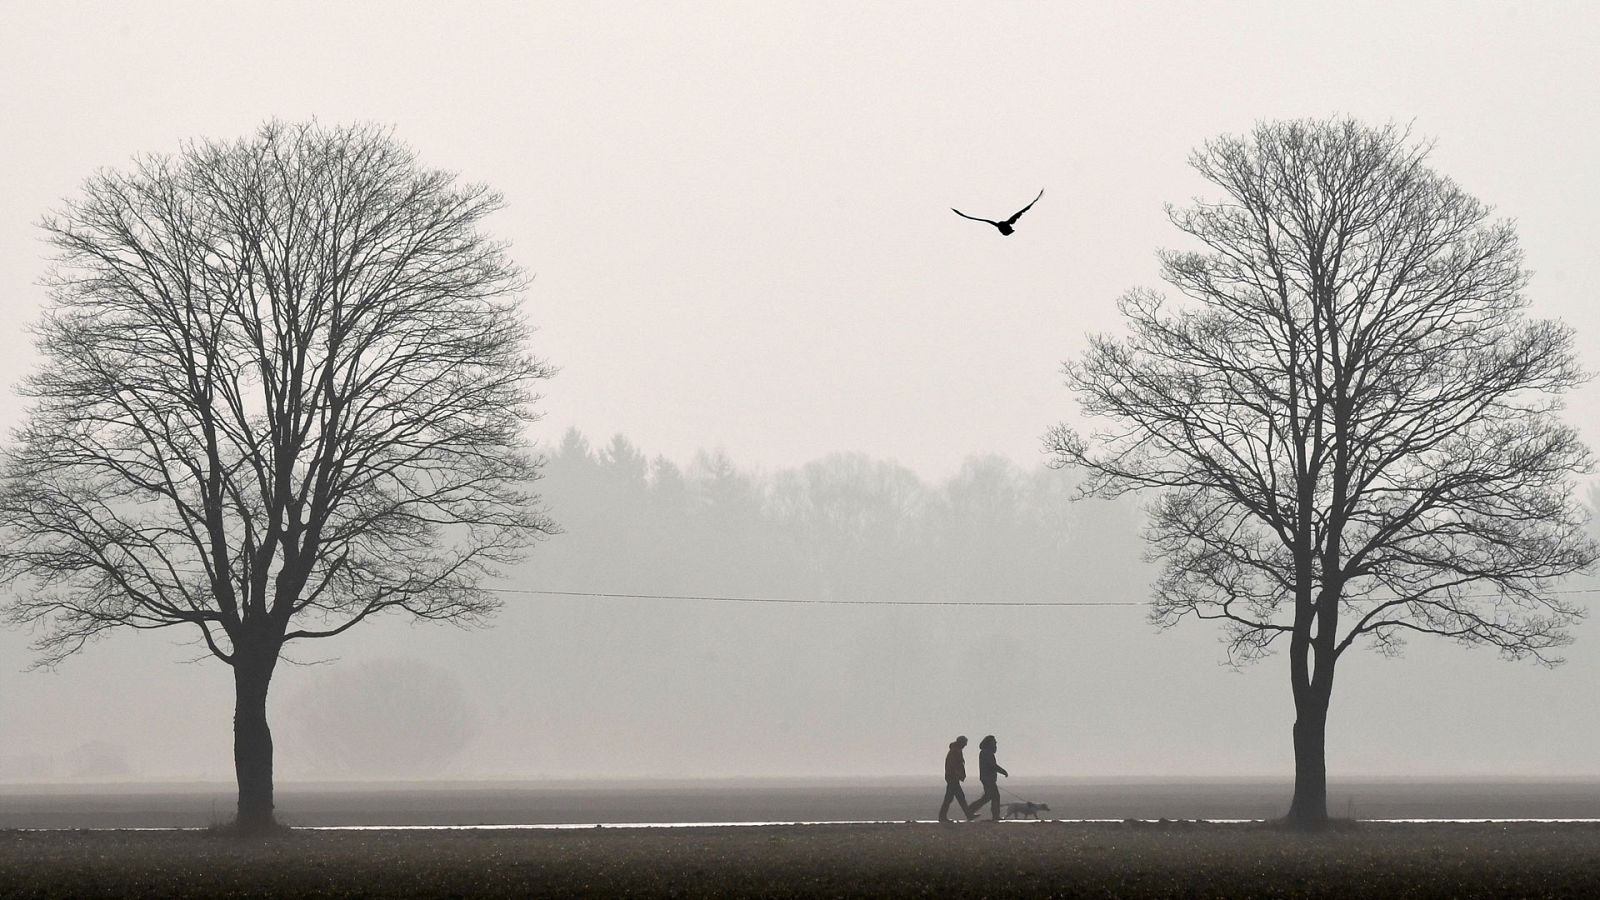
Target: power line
column 810, row 602
column 801, row 601
column 798, row 601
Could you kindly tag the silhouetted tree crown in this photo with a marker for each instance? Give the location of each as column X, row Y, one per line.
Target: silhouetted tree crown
column 1350, row 422
column 285, row 387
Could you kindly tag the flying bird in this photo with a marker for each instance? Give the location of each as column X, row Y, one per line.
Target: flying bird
column 1005, row 227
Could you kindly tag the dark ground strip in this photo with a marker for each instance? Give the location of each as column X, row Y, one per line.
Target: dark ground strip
column 1044, row 860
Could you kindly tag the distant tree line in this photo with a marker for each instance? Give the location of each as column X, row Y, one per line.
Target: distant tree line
column 845, row 527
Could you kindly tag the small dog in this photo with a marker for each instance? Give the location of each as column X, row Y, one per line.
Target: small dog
column 1028, row 810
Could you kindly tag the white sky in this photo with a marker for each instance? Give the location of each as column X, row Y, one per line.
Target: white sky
column 738, row 214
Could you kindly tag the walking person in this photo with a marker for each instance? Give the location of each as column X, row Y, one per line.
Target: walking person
column 987, row 769
column 955, row 772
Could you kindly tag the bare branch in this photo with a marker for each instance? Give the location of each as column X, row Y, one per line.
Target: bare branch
column 285, row 388
column 1351, row 425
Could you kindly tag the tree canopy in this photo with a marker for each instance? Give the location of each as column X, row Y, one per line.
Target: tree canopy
column 285, row 379
column 285, row 388
column 1351, row 424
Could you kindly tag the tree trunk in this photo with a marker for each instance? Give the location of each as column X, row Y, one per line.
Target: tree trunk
column 252, row 741
column 1309, row 808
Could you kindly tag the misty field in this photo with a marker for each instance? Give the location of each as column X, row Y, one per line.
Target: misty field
column 1019, row 859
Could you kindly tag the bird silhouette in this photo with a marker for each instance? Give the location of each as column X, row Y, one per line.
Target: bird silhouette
column 1005, row 227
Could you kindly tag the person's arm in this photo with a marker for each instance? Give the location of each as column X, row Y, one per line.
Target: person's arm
column 1001, row 771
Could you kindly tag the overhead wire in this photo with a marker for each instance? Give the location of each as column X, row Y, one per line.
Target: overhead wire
column 805, row 601
column 815, row 602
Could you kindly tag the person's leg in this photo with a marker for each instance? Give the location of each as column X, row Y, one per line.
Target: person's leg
column 991, row 793
column 953, row 791
column 976, row 809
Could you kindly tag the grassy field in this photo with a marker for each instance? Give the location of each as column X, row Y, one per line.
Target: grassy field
column 1011, row 860
column 775, row 800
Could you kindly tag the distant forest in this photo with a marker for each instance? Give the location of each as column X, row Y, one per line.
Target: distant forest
column 845, row 527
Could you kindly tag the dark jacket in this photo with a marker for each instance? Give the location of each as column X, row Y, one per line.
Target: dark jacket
column 988, row 768
column 955, row 765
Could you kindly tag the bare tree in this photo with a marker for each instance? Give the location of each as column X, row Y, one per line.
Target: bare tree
column 1352, row 427
column 285, row 388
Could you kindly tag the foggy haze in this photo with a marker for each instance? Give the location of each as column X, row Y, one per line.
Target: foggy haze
column 588, row 687
column 831, row 388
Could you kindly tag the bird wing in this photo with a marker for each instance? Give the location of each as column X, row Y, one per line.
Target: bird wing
column 973, row 218
column 1018, row 214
